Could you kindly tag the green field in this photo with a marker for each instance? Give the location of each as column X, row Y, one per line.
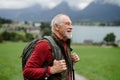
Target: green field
column 97, row 63
column 10, row 61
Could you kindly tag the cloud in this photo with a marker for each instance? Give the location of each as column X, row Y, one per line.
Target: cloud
column 114, row 2
column 77, row 4
column 48, row 3
column 15, row 4
column 18, row 4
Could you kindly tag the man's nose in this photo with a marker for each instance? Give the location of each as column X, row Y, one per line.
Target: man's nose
column 70, row 27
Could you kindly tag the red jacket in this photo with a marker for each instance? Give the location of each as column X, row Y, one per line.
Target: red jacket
column 33, row 68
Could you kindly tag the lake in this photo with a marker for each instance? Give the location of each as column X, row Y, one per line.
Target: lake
column 93, row 33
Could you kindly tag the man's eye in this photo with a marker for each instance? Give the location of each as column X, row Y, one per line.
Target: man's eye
column 68, row 24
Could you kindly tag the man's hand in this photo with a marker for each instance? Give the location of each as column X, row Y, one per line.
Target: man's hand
column 75, row 57
column 58, row 66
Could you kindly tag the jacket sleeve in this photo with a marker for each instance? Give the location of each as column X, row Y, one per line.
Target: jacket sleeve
column 41, row 54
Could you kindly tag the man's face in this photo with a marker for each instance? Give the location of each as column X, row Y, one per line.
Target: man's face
column 65, row 27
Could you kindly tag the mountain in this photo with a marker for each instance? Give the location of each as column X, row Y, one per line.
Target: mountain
column 101, row 12
column 93, row 12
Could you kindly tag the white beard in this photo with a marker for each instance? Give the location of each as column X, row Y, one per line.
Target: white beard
column 68, row 36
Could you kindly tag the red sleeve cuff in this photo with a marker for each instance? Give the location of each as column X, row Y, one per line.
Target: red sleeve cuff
column 48, row 70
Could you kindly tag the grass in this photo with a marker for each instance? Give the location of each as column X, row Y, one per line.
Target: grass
column 10, row 61
column 97, row 63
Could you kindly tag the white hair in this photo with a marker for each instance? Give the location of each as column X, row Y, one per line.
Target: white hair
column 56, row 20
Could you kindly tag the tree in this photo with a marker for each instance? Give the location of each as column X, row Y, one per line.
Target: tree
column 45, row 29
column 110, row 38
column 3, row 21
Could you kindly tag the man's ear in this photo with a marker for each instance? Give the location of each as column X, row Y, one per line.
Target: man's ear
column 57, row 27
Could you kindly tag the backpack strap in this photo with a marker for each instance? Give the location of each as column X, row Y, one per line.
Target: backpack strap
column 55, row 49
column 31, row 47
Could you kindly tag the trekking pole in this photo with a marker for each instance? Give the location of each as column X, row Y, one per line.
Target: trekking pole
column 73, row 70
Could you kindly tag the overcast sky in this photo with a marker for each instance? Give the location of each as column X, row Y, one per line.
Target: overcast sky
column 79, row 4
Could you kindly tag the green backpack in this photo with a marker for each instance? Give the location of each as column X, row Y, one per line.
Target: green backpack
column 30, row 47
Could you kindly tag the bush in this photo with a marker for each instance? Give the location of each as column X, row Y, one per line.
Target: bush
column 28, row 37
column 1, row 39
column 14, row 36
column 110, row 38
column 11, row 36
column 6, row 36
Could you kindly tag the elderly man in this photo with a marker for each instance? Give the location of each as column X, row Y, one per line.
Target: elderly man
column 42, row 54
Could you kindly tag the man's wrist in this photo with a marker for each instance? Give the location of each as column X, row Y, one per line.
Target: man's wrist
column 52, row 70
